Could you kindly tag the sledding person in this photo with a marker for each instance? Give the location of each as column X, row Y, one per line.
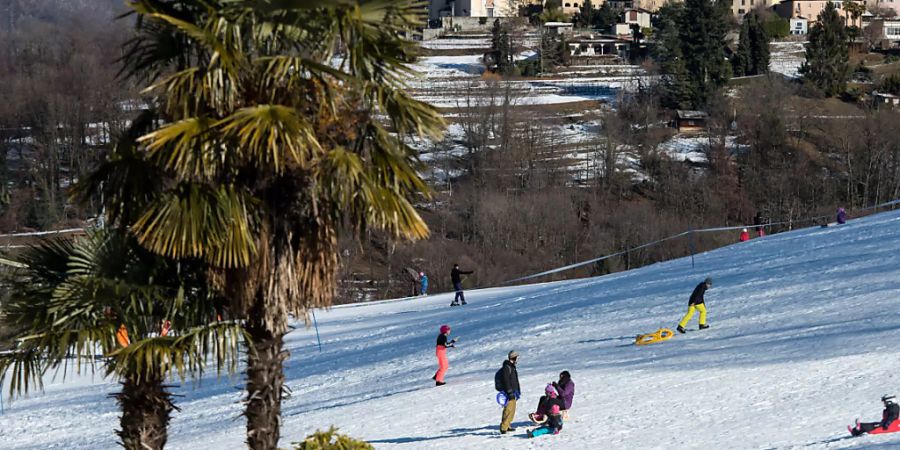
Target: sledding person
column 443, row 343
column 547, row 401
column 889, row 416
column 509, row 382
column 841, row 216
column 424, row 280
column 745, row 236
column 566, row 389
column 553, row 425
column 696, row 303
column 455, row 277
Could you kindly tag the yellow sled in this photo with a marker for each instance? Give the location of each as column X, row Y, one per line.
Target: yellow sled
column 662, row 334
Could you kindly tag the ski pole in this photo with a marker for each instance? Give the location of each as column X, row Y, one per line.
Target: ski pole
column 316, row 323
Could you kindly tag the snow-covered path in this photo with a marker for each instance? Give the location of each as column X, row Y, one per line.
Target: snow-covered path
column 804, row 338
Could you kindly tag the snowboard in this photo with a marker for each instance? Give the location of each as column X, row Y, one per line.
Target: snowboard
column 894, row 427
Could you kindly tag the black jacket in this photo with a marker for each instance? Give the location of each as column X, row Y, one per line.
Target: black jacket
column 455, row 274
column 697, row 295
column 442, row 341
column 890, row 414
column 510, row 379
column 546, row 403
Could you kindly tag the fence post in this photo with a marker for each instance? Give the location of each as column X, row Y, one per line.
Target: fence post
column 316, row 324
column 691, row 244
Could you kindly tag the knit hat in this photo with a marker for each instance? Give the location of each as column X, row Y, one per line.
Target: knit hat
column 550, row 390
column 512, row 355
column 554, row 409
column 445, row 328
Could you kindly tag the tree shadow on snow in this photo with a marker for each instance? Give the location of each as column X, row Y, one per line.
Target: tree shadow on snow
column 488, row 430
column 609, row 339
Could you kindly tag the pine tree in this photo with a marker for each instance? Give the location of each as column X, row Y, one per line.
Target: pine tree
column 741, row 62
column 827, row 55
column 759, row 45
column 586, row 16
column 703, row 25
column 674, row 87
column 501, row 47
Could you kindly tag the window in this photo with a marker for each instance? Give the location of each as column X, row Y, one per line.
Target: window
column 741, row 11
column 574, row 5
column 892, row 31
column 743, row 2
column 751, row 2
column 568, row 5
column 490, row 12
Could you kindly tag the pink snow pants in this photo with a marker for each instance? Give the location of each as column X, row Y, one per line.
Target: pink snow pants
column 443, row 363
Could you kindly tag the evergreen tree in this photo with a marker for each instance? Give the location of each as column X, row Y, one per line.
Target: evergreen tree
column 674, row 86
column 759, row 45
column 605, row 17
column 702, row 26
column 501, row 47
column 740, row 63
column 827, row 64
column 585, row 18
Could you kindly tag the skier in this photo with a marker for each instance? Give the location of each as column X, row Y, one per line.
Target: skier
column 889, row 418
column 441, row 352
column 696, row 303
column 745, row 236
column 566, row 389
column 509, row 381
column 550, row 398
column 424, row 279
column 554, row 424
column 841, row 216
column 457, row 284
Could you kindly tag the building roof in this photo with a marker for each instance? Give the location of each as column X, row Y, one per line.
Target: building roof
column 884, row 95
column 690, row 114
column 559, row 24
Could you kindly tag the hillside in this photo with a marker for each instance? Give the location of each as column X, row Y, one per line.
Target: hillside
column 803, row 340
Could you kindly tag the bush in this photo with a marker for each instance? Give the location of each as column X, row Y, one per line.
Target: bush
column 330, row 440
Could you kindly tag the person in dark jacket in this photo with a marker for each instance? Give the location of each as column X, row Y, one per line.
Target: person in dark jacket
column 759, row 221
column 890, row 414
column 545, row 403
column 553, row 425
column 841, row 216
column 566, row 389
column 456, row 278
column 696, row 303
column 511, row 390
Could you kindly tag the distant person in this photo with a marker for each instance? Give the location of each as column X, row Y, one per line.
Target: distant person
column 566, row 389
column 745, row 236
column 550, row 398
column 456, row 278
column 414, row 280
column 759, row 221
column 889, row 419
column 424, row 280
column 553, row 425
column 443, row 343
column 841, row 216
column 509, row 383
column 696, row 303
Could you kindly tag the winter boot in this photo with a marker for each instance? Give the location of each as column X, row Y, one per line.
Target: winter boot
column 464, row 302
column 703, row 326
column 454, row 303
column 529, row 433
column 681, row 329
column 439, row 383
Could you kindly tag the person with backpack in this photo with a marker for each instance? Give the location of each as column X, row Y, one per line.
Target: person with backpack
column 441, row 352
column 696, row 303
column 546, row 402
column 889, row 418
column 424, row 280
column 456, row 278
column 506, row 380
column 553, row 425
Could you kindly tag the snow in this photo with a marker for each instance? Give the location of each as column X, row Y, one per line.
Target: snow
column 803, row 340
column 787, row 57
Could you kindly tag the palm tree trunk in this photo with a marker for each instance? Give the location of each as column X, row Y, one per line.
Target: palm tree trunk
column 265, row 383
column 146, row 409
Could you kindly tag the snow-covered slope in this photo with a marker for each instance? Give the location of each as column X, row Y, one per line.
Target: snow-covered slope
column 804, row 338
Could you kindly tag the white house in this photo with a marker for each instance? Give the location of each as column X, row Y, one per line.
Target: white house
column 637, row 16
column 799, row 25
column 472, row 8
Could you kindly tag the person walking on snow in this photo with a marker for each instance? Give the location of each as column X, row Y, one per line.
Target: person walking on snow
column 553, row 425
column 841, row 216
column 441, row 352
column 889, row 417
column 424, row 280
column 745, row 236
column 510, row 384
column 696, row 303
column 456, row 278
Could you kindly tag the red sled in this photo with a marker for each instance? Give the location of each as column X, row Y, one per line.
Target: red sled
column 894, row 427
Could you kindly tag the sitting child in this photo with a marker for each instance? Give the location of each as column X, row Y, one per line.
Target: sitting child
column 890, row 415
column 545, row 403
column 553, row 425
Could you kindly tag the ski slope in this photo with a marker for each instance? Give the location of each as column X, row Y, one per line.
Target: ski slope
column 803, row 339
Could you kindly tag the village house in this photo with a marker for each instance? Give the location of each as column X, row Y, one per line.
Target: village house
column 886, row 31
column 810, row 9
column 472, row 8
column 883, row 100
column 799, row 26
column 687, row 121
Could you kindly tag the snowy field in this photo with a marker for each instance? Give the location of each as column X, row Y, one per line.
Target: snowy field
column 803, row 340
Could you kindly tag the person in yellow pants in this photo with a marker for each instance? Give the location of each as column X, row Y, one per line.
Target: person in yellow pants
column 696, row 303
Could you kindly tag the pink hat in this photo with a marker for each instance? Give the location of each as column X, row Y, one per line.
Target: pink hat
column 554, row 409
column 445, row 328
column 550, row 390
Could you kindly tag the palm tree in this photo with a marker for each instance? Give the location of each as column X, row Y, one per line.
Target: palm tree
column 149, row 319
column 263, row 145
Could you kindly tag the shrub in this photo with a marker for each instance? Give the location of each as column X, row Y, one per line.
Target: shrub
column 331, row 440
